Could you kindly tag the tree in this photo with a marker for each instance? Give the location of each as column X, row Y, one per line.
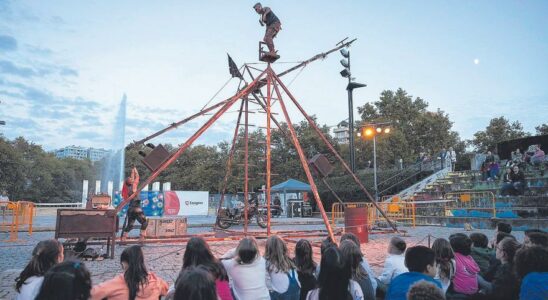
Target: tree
column 414, row 129
column 542, row 129
column 499, row 129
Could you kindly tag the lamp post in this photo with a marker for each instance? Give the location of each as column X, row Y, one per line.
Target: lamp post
column 345, row 62
column 371, row 131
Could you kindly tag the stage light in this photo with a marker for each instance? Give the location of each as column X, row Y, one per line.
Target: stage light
column 344, row 63
column 345, row 52
column 345, row 73
column 368, row 132
column 387, row 130
column 379, row 130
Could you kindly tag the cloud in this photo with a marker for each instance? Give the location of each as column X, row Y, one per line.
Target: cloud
column 7, row 67
column 66, row 71
column 7, row 43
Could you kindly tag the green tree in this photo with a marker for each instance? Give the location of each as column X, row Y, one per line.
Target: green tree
column 499, row 129
column 414, row 129
column 542, row 129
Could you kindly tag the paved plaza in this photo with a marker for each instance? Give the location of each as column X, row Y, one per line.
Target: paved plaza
column 166, row 259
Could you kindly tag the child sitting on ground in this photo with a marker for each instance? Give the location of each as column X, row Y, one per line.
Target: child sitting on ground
column 480, row 252
column 394, row 264
column 466, row 271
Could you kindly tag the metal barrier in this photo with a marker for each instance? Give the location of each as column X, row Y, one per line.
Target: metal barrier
column 15, row 215
column 477, row 201
column 398, row 211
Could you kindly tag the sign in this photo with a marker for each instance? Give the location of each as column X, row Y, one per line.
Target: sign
column 183, row 203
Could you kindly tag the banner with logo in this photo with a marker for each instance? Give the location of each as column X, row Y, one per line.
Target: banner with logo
column 183, row 203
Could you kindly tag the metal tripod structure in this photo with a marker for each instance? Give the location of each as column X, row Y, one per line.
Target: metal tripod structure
column 274, row 86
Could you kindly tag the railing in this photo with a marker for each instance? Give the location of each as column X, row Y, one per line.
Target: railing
column 58, row 205
column 398, row 211
column 15, row 215
column 476, row 201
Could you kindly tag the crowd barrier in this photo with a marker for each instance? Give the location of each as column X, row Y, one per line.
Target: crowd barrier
column 457, row 204
column 15, row 215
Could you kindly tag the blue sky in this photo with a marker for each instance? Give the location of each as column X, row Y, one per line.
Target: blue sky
column 65, row 65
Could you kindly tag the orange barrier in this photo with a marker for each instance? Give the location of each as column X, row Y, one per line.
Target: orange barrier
column 15, row 215
column 398, row 211
column 484, row 200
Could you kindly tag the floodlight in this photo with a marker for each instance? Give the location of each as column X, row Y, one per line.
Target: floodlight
column 345, row 73
column 387, row 130
column 369, row 132
column 344, row 63
column 345, row 52
column 379, row 130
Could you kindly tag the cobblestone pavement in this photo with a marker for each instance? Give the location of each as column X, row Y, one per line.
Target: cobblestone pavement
column 166, row 259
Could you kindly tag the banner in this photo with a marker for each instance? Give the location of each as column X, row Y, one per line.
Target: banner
column 182, row 203
column 152, row 203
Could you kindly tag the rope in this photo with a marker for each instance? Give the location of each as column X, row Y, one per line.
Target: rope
column 224, row 85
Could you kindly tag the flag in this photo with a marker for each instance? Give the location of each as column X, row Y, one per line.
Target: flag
column 233, row 69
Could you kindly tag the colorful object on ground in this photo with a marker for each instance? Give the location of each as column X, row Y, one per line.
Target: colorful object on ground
column 152, row 203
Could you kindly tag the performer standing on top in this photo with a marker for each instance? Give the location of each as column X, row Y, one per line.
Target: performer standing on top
column 273, row 26
column 134, row 212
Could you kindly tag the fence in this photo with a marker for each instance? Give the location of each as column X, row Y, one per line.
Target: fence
column 471, row 204
column 398, row 211
column 15, row 215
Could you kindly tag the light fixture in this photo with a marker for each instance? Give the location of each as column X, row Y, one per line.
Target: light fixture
column 344, row 62
column 345, row 52
column 387, row 130
column 379, row 130
column 369, row 132
column 345, row 72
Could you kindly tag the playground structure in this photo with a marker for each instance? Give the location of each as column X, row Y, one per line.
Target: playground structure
column 252, row 93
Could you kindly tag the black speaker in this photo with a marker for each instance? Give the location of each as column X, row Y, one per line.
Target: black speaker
column 156, row 157
column 307, row 211
column 320, row 165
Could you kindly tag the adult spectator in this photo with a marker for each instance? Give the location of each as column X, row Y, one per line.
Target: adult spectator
column 394, row 264
column 443, row 158
column 69, row 280
column 489, row 158
column 480, row 252
column 4, row 196
column 246, row 269
column 494, row 170
column 501, row 227
column 306, row 267
column 516, row 184
column 531, row 265
column 281, row 277
column 353, row 257
column 505, row 285
column 465, row 281
column 445, row 262
column 538, row 156
column 334, row 281
column 136, row 282
column 537, row 239
column 195, row 283
column 365, row 263
column 421, row 262
column 494, row 263
column 424, row 290
column 517, row 157
column 44, row 256
column 198, row 254
column 452, row 157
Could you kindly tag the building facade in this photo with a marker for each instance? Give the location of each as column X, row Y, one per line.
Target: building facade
column 341, row 133
column 81, row 153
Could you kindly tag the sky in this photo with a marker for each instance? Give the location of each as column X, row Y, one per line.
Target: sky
column 66, row 65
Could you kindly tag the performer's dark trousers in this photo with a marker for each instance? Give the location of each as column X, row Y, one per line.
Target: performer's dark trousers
column 135, row 212
column 271, row 32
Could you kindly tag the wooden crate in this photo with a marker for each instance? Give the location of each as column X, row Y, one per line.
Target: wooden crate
column 151, row 228
column 180, row 226
column 165, row 227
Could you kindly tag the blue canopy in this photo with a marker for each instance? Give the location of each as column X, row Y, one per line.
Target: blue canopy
column 291, row 185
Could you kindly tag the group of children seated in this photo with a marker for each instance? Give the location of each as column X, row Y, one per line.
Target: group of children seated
column 462, row 267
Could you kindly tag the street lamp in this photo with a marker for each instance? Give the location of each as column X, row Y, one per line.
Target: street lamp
column 345, row 62
column 370, row 131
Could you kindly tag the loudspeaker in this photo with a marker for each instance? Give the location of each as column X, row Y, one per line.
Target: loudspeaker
column 320, row 165
column 156, row 157
column 307, row 211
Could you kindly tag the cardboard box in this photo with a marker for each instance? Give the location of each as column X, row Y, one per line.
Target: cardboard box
column 151, row 228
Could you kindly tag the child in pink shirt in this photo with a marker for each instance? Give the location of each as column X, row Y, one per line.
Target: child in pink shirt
column 466, row 273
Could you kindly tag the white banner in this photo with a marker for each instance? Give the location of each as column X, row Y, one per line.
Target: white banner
column 183, row 203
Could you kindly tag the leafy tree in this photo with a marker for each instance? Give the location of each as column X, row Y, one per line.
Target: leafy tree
column 499, row 129
column 542, row 129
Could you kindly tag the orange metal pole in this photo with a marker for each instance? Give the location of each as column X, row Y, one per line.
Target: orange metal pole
column 229, row 163
column 191, row 140
column 333, row 151
column 246, row 165
column 303, row 160
column 268, row 163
